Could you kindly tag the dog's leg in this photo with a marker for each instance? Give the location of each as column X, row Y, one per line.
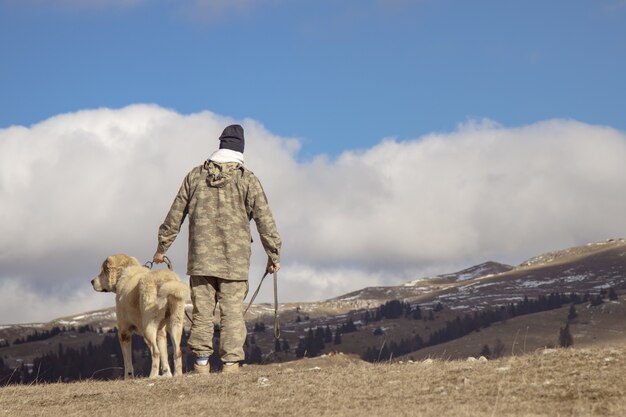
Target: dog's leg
column 162, row 342
column 176, row 305
column 150, row 337
column 175, row 328
column 125, row 341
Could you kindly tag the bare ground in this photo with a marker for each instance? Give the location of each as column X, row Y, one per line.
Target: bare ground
column 565, row 382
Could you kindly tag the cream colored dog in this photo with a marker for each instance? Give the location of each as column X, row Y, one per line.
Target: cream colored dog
column 148, row 303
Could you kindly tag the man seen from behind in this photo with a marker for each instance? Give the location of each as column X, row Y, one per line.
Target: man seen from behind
column 220, row 197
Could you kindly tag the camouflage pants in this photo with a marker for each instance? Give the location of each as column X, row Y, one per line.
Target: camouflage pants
column 205, row 293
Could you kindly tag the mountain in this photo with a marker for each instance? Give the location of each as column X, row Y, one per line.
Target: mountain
column 369, row 319
column 372, row 296
column 588, row 268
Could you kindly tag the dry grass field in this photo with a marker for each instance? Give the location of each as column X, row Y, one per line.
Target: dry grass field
column 563, row 382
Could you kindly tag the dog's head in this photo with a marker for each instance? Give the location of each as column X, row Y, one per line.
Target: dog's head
column 112, row 269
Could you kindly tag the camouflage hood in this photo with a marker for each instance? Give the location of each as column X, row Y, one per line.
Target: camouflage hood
column 218, row 175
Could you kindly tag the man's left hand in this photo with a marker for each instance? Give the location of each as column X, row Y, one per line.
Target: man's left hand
column 272, row 267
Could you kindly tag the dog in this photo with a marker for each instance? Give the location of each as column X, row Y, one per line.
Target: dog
column 148, row 303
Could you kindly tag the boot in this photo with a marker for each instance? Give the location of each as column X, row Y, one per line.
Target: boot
column 201, row 369
column 231, row 368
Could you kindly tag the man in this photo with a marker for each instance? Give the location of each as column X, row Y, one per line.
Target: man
column 220, row 197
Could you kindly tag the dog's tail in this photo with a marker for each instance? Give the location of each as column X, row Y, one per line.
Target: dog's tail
column 174, row 290
column 176, row 293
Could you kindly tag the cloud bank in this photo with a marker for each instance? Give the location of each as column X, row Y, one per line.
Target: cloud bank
column 78, row 187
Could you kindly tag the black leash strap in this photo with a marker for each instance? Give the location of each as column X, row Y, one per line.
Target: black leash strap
column 276, row 320
column 255, row 293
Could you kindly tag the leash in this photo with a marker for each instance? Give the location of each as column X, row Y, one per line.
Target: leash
column 276, row 320
column 150, row 264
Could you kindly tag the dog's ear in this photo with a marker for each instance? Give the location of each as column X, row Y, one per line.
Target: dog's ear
column 106, row 265
column 125, row 261
column 111, row 270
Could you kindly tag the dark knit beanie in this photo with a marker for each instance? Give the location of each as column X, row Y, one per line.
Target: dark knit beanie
column 232, row 138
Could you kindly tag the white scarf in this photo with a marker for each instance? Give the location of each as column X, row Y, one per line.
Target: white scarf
column 222, row 156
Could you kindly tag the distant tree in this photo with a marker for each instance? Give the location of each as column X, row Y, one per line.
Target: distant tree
column 337, row 339
column 596, row 300
column 485, row 351
column 572, row 314
column 312, row 346
column 612, row 294
column 253, row 352
column 392, row 309
column 5, row 373
column 301, row 348
column 348, row 327
column 84, row 329
column 378, row 353
column 277, row 345
column 256, row 355
column 498, row 349
column 416, row 313
column 259, row 327
column 319, row 339
column 378, row 331
column 298, row 319
column 431, row 315
column 369, row 355
column 328, row 334
column 565, row 337
column 285, row 346
column 438, row 307
column 406, row 307
column 366, row 317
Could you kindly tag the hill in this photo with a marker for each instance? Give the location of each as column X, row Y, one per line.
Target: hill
column 520, row 307
column 598, row 326
column 573, row 382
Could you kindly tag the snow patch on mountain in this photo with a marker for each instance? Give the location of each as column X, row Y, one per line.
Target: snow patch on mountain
column 484, row 270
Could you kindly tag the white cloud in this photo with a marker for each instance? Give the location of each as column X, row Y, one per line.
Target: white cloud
column 22, row 303
column 480, row 191
column 78, row 187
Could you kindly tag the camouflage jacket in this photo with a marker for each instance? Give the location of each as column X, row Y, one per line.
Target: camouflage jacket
column 220, row 200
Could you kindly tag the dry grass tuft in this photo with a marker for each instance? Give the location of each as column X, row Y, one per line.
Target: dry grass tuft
column 572, row 382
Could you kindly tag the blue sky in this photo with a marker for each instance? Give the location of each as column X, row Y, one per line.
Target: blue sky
column 339, row 75
column 457, row 132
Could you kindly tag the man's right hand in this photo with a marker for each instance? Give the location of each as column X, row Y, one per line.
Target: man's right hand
column 158, row 258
